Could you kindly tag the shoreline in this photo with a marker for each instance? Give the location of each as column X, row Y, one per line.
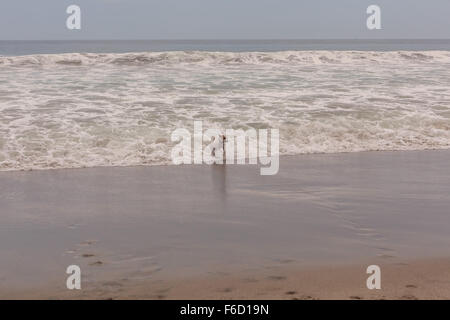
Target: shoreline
column 135, row 231
column 285, row 156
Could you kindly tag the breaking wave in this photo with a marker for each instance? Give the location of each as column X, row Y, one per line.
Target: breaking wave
column 202, row 57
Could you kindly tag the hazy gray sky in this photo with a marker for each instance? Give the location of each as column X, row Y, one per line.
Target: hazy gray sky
column 224, row 19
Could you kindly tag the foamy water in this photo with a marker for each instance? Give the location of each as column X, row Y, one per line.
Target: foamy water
column 84, row 110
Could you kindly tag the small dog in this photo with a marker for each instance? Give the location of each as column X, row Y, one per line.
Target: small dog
column 222, row 142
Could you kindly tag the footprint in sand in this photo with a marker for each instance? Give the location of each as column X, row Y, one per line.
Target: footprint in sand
column 284, row 261
column 306, row 297
column 163, row 291
column 87, row 243
column 409, row 297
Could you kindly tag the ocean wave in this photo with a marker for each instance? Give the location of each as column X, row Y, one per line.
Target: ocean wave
column 97, row 147
column 122, row 109
column 228, row 58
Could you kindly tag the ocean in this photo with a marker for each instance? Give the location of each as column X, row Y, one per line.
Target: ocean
column 75, row 104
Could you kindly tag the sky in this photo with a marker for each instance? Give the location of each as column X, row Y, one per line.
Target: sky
column 224, row 19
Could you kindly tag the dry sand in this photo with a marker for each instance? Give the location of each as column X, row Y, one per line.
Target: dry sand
column 212, row 232
column 413, row 280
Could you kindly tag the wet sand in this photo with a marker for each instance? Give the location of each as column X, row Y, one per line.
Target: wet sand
column 227, row 232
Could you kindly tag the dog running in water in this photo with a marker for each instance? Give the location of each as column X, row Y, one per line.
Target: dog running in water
column 222, row 142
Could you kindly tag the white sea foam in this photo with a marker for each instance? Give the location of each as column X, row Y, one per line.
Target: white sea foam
column 202, row 57
column 83, row 110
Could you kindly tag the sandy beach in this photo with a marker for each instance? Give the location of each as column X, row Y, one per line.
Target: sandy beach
column 407, row 280
column 225, row 232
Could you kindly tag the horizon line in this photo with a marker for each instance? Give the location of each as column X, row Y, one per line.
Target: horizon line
column 243, row 39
